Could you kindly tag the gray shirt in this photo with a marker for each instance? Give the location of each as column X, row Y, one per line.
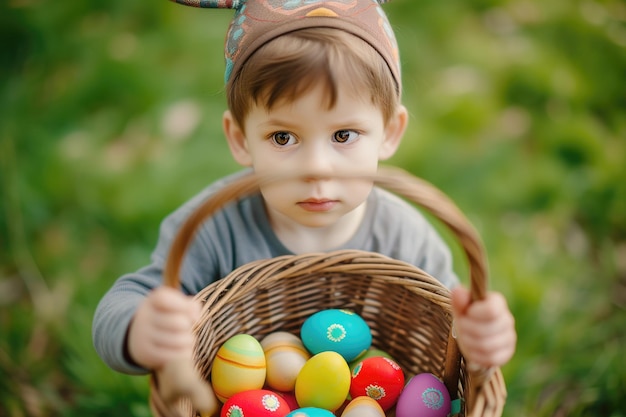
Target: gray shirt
column 240, row 233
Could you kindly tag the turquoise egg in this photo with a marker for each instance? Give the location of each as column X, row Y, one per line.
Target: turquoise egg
column 310, row 412
column 341, row 331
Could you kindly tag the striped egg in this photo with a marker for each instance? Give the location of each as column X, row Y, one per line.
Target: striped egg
column 285, row 355
column 363, row 407
column 238, row 366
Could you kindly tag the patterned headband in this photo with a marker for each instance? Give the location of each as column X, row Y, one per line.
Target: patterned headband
column 257, row 22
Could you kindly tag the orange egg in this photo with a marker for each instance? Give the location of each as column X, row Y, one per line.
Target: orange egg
column 285, row 355
column 238, row 366
column 363, row 407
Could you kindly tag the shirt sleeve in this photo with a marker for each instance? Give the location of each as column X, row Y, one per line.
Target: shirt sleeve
column 118, row 306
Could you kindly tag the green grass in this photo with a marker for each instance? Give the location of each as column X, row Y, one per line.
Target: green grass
column 517, row 112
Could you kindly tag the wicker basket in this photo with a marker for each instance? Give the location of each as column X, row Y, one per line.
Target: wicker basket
column 408, row 311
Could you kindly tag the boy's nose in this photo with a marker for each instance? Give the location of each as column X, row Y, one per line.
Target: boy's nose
column 316, row 162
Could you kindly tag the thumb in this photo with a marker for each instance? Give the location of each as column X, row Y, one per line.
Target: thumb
column 461, row 300
column 195, row 309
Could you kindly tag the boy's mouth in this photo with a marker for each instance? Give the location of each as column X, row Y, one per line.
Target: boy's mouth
column 318, row 205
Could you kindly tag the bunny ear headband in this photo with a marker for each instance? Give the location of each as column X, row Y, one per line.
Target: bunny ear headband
column 257, row 22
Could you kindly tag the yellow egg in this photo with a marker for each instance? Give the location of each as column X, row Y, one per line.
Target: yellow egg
column 323, row 382
column 238, row 366
column 285, row 355
column 363, row 407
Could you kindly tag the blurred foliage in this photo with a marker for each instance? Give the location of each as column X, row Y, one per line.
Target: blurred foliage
column 110, row 117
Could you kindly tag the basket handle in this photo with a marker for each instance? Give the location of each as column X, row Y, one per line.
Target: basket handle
column 180, row 378
column 445, row 210
column 393, row 179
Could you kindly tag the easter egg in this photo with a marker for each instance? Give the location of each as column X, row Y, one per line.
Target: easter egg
column 379, row 378
column 238, row 366
column 363, row 407
column 424, row 396
column 258, row 403
column 341, row 331
column 285, row 355
column 323, row 381
column 290, row 399
column 310, row 412
column 369, row 353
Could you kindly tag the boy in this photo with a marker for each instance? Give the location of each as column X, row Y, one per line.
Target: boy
column 313, row 92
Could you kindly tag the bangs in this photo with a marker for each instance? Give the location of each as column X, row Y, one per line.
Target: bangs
column 293, row 64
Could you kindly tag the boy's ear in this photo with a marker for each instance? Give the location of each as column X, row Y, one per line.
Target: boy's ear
column 393, row 133
column 236, row 140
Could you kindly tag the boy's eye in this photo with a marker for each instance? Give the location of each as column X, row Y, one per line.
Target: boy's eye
column 345, row 136
column 283, row 138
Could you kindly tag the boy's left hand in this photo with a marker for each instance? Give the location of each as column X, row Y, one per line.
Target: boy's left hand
column 485, row 329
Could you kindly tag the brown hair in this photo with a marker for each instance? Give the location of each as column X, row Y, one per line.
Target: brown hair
column 290, row 65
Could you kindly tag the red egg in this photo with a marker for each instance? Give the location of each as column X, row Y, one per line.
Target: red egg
column 290, row 399
column 379, row 378
column 425, row 395
column 258, row 403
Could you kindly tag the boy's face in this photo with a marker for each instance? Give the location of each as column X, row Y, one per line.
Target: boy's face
column 306, row 143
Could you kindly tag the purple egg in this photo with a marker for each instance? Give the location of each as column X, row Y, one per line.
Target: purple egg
column 424, row 396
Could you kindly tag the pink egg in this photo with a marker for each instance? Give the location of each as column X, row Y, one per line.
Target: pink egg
column 258, row 403
column 424, row 396
column 379, row 378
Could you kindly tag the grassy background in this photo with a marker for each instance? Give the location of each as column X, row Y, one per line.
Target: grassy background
column 110, row 118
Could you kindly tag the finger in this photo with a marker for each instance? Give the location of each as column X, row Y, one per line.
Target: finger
column 172, row 323
column 492, row 308
column 469, row 327
column 489, row 351
column 160, row 355
column 168, row 299
column 485, row 345
column 168, row 342
column 497, row 354
column 461, row 300
column 195, row 309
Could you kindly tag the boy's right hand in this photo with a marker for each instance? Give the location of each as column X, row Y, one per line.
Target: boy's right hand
column 161, row 330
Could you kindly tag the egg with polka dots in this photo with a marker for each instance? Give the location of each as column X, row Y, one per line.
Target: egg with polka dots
column 337, row 330
column 424, row 395
column 379, row 378
column 258, row 403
